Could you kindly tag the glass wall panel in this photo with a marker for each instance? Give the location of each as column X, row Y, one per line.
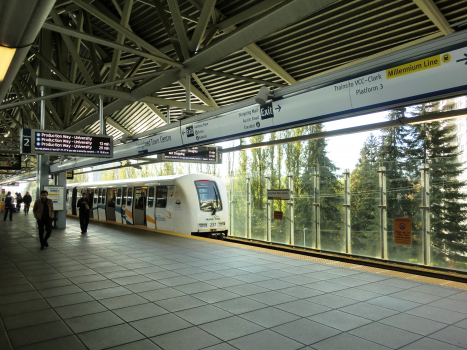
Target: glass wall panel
column 238, row 200
column 258, row 207
column 304, row 210
column 448, row 207
column 365, row 211
column 280, row 229
column 404, row 198
column 332, row 211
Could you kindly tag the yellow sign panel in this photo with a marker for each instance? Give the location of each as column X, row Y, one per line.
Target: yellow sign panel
column 278, row 215
column 70, row 175
column 403, row 231
column 417, row 66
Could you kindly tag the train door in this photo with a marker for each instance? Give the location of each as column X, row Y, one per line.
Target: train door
column 95, row 204
column 163, row 215
column 110, row 204
column 118, row 206
column 129, row 206
column 74, row 200
column 90, row 196
column 102, row 202
column 139, row 205
column 68, row 200
column 150, row 211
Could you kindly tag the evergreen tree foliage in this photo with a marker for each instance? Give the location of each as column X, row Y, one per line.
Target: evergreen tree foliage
column 434, row 145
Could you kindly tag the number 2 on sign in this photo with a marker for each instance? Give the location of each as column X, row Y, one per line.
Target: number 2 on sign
column 26, row 142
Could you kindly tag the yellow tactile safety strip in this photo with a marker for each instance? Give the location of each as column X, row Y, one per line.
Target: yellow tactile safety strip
column 364, row 268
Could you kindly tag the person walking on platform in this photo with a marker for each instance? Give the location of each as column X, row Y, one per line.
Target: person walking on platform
column 27, row 199
column 83, row 205
column 9, row 206
column 19, row 200
column 43, row 211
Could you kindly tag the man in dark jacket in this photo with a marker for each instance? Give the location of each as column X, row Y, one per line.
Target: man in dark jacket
column 19, row 200
column 9, row 206
column 43, row 211
column 27, row 199
column 83, row 205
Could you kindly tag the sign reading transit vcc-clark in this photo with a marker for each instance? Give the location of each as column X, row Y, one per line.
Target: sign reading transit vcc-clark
column 53, row 142
column 440, row 75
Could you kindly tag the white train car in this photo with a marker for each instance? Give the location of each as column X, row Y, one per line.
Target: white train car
column 194, row 204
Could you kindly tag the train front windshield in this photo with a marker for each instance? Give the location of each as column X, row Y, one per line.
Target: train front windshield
column 208, row 194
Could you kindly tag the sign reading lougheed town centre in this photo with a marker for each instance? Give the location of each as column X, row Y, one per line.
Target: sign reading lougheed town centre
column 53, row 142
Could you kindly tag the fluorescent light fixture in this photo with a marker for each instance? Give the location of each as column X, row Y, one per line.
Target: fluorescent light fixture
column 6, row 56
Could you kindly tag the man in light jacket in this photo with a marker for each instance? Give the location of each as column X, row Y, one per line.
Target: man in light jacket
column 43, row 211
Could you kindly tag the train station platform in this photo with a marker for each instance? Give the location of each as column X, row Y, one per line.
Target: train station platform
column 126, row 288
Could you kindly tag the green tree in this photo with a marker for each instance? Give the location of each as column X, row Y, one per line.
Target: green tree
column 434, row 145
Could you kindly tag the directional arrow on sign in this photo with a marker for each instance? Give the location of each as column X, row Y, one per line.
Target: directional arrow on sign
column 463, row 59
column 278, row 108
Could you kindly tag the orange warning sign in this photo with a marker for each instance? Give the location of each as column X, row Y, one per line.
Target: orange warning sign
column 278, row 215
column 403, row 231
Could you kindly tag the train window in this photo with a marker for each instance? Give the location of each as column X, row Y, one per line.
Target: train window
column 151, row 197
column 100, row 196
column 96, row 193
column 119, row 196
column 161, row 196
column 208, row 194
column 139, row 198
column 111, row 197
column 130, row 196
column 103, row 195
column 124, row 196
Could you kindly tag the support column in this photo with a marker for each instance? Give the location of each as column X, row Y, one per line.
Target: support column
column 268, row 211
column 101, row 115
column 317, row 208
column 248, row 208
column 291, row 212
column 348, row 234
column 383, row 226
column 231, row 203
column 42, row 177
column 188, row 92
column 60, row 215
column 425, row 182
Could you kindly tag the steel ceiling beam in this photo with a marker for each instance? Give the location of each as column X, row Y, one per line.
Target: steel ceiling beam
column 125, row 18
column 103, row 42
column 241, row 77
column 200, row 29
column 129, row 34
column 262, row 57
column 432, row 11
column 179, row 27
column 117, row 126
column 276, row 19
column 201, row 85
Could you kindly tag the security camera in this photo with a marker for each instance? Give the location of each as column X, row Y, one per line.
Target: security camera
column 264, row 94
column 124, row 138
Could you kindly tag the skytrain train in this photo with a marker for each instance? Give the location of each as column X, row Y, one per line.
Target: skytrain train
column 194, row 204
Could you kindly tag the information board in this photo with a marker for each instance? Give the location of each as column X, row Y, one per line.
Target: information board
column 10, row 162
column 201, row 154
column 279, row 194
column 403, row 231
column 53, row 142
column 70, row 175
column 56, row 195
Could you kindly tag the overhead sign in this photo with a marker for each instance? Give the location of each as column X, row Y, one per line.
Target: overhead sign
column 70, row 175
column 403, row 231
column 56, row 195
column 53, row 142
column 440, row 75
column 279, row 194
column 198, row 154
column 10, row 162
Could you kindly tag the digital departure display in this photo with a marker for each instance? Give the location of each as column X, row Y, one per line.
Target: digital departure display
column 62, row 143
column 201, row 154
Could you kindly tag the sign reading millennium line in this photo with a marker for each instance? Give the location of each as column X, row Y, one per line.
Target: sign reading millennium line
column 53, row 142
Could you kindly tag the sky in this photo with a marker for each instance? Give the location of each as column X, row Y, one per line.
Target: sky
column 345, row 150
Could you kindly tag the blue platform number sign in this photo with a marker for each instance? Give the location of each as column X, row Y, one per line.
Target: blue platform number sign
column 26, row 146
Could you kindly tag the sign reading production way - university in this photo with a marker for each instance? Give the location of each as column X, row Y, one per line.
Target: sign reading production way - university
column 64, row 143
column 429, row 78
